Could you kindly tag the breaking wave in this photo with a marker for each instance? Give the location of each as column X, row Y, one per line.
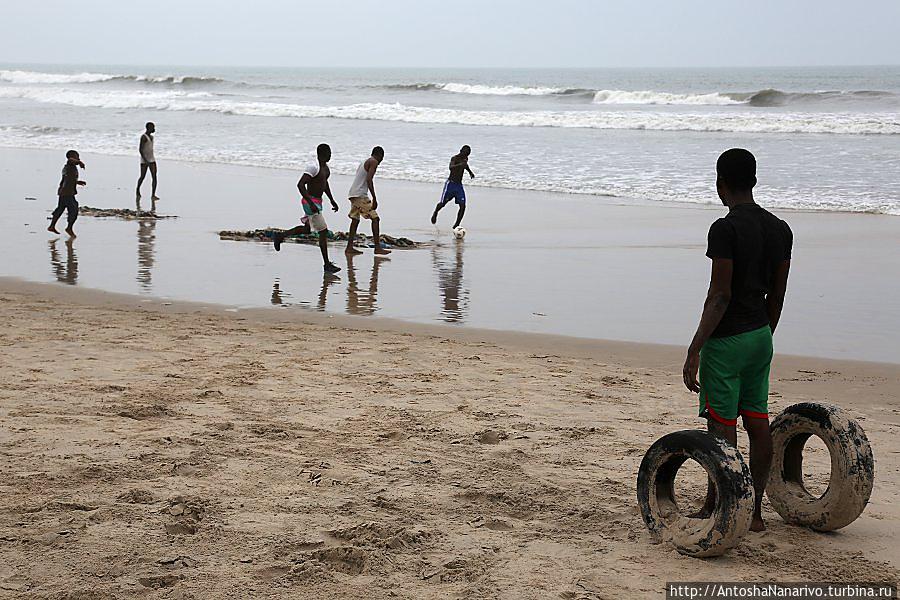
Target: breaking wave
column 743, row 122
column 649, row 97
column 34, row 77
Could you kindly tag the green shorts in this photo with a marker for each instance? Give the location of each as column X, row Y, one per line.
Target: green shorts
column 734, row 376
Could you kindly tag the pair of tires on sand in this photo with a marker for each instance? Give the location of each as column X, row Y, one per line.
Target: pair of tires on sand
column 849, row 487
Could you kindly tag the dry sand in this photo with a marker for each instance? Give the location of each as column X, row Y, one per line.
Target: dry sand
column 169, row 450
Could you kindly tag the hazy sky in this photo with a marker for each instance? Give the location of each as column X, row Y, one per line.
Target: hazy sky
column 464, row 33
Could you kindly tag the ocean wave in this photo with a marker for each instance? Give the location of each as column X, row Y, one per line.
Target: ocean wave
column 32, row 77
column 650, row 97
column 770, row 97
column 760, row 98
column 490, row 90
column 738, row 122
column 35, row 77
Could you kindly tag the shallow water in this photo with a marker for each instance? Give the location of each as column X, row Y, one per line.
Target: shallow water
column 531, row 261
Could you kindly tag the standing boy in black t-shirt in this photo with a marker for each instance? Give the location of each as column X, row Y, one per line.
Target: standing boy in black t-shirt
column 750, row 250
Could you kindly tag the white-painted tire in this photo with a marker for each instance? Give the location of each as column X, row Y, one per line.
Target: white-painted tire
column 852, row 467
column 731, row 517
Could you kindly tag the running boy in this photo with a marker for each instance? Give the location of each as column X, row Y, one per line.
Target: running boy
column 68, row 188
column 312, row 185
column 454, row 189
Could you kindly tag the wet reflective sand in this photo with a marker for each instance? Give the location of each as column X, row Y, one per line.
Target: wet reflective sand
column 570, row 265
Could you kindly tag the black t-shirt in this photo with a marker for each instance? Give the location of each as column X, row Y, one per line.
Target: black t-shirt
column 757, row 242
column 68, row 185
column 456, row 172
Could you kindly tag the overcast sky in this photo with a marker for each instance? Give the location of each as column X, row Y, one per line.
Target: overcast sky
column 452, row 33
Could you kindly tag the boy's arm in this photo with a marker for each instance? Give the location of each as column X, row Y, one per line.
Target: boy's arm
column 775, row 298
column 141, row 147
column 717, row 299
column 370, row 181
column 471, row 174
column 334, row 205
column 301, row 185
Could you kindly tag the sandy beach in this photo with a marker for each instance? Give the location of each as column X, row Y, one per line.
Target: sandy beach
column 168, row 450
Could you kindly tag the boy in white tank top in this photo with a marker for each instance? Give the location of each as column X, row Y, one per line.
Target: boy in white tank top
column 148, row 162
column 361, row 206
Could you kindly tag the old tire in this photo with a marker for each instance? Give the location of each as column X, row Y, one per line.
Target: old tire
column 731, row 518
column 852, row 467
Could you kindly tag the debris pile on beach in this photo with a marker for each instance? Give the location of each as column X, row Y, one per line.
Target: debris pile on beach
column 265, row 235
column 122, row 213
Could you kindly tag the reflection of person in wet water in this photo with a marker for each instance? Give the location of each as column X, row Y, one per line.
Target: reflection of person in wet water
column 276, row 293
column 362, row 302
column 327, row 281
column 454, row 296
column 65, row 272
column 146, row 242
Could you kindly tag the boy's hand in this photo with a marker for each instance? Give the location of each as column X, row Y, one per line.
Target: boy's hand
column 374, row 203
column 471, row 175
column 689, row 373
column 334, row 206
column 81, row 182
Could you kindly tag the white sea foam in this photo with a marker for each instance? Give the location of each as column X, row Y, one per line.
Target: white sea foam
column 33, row 77
column 503, row 90
column 738, row 122
column 650, row 97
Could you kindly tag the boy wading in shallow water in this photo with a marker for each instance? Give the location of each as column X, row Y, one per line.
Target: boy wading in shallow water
column 68, row 188
column 361, row 205
column 750, row 250
column 454, row 189
column 312, row 185
column 148, row 161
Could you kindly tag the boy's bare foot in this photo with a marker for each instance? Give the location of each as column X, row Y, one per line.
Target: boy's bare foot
column 154, row 197
column 52, row 229
column 382, row 251
column 757, row 524
column 434, row 218
column 276, row 240
column 352, row 251
column 70, row 232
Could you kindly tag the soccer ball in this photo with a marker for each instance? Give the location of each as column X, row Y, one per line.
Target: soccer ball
column 459, row 232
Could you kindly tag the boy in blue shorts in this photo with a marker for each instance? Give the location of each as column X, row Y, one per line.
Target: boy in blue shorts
column 453, row 189
column 750, row 249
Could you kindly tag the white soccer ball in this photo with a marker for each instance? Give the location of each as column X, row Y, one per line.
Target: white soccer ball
column 459, row 232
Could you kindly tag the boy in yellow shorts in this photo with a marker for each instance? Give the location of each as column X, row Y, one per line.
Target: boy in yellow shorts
column 361, row 206
column 750, row 249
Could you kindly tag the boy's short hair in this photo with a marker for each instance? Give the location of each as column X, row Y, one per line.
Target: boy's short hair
column 377, row 151
column 737, row 168
column 321, row 149
column 72, row 154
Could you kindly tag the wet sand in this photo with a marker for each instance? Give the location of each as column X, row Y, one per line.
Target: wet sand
column 534, row 262
column 174, row 450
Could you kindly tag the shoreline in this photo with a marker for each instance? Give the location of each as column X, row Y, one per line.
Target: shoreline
column 609, row 199
column 657, row 355
column 619, row 270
